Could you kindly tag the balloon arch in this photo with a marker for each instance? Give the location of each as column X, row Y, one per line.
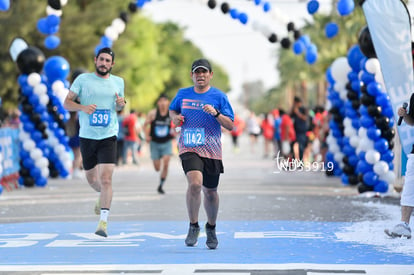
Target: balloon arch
column 360, row 140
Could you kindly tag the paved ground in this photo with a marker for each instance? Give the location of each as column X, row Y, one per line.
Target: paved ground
column 270, row 222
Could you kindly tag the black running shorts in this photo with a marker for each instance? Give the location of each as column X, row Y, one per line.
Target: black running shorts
column 211, row 168
column 97, row 151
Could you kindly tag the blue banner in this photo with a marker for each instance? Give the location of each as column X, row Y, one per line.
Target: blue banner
column 390, row 29
column 9, row 144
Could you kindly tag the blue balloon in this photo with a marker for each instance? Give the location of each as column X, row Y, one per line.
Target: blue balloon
column 353, row 160
column 381, row 186
column 328, row 76
column 52, row 20
column 367, row 78
column 348, row 150
column 381, row 145
column 387, row 156
column 311, row 57
column 363, row 166
column 352, row 75
column 56, row 68
column 388, row 112
column 257, row 2
column 344, row 179
column 374, row 133
column 1, row 189
column 52, row 42
column 28, row 127
column 4, row 6
column 42, row 26
column 106, row 41
column 22, row 79
column 345, row 7
column 305, row 39
column 356, row 85
column 267, row 7
column 41, row 182
column 313, row 6
column 366, row 121
column 331, row 29
column 370, row 178
column 373, row 88
column 354, row 57
column 298, row 47
column 28, row 163
column 243, row 18
column 234, row 13
column 356, row 123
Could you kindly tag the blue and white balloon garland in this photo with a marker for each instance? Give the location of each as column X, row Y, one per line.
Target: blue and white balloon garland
column 365, row 148
column 50, row 24
column 4, row 5
column 376, row 156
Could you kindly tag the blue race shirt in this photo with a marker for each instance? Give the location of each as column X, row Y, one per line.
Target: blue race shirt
column 201, row 132
column 92, row 89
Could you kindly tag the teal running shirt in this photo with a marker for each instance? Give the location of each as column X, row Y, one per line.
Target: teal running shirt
column 92, row 89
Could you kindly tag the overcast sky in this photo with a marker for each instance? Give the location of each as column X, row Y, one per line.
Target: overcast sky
column 242, row 50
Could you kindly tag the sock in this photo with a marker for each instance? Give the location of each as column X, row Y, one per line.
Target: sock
column 162, row 181
column 209, row 226
column 195, row 224
column 104, row 214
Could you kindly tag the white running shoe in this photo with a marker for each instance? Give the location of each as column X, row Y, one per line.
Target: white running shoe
column 401, row 230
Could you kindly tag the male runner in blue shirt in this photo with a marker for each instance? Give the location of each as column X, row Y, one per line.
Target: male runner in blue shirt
column 201, row 110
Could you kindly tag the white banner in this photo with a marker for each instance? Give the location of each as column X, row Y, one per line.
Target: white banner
column 389, row 26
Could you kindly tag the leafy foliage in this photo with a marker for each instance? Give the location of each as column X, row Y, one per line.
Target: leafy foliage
column 152, row 58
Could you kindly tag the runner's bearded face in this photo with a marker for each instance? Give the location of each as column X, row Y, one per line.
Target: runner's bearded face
column 103, row 64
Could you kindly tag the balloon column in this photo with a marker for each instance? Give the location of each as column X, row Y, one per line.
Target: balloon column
column 41, row 155
column 365, row 149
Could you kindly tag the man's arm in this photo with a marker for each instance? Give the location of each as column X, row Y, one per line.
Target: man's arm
column 71, row 105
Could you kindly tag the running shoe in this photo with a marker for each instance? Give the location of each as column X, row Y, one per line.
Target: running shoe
column 211, row 241
column 160, row 190
column 101, row 229
column 98, row 206
column 192, row 235
column 401, row 230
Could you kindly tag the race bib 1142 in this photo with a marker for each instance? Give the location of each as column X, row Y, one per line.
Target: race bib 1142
column 194, row 137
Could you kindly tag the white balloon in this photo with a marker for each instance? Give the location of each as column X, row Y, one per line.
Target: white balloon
column 63, row 2
column 362, row 132
column 347, row 122
column 58, row 85
column 338, row 157
column 354, row 141
column 343, row 94
column 372, row 65
column 42, row 162
column 45, row 172
column 111, row 33
column 339, row 86
column 29, row 145
column 388, row 177
column 366, row 144
column 119, row 25
column 34, row 79
column 340, row 69
column 381, row 167
column 40, row 89
column 44, row 99
column 350, row 132
column 36, row 153
column 52, row 11
column 372, row 156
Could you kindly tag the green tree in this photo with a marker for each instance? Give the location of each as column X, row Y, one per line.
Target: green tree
column 148, row 64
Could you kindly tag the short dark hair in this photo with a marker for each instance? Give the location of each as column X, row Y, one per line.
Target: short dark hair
column 108, row 51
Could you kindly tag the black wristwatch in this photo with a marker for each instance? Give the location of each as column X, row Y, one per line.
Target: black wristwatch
column 218, row 112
